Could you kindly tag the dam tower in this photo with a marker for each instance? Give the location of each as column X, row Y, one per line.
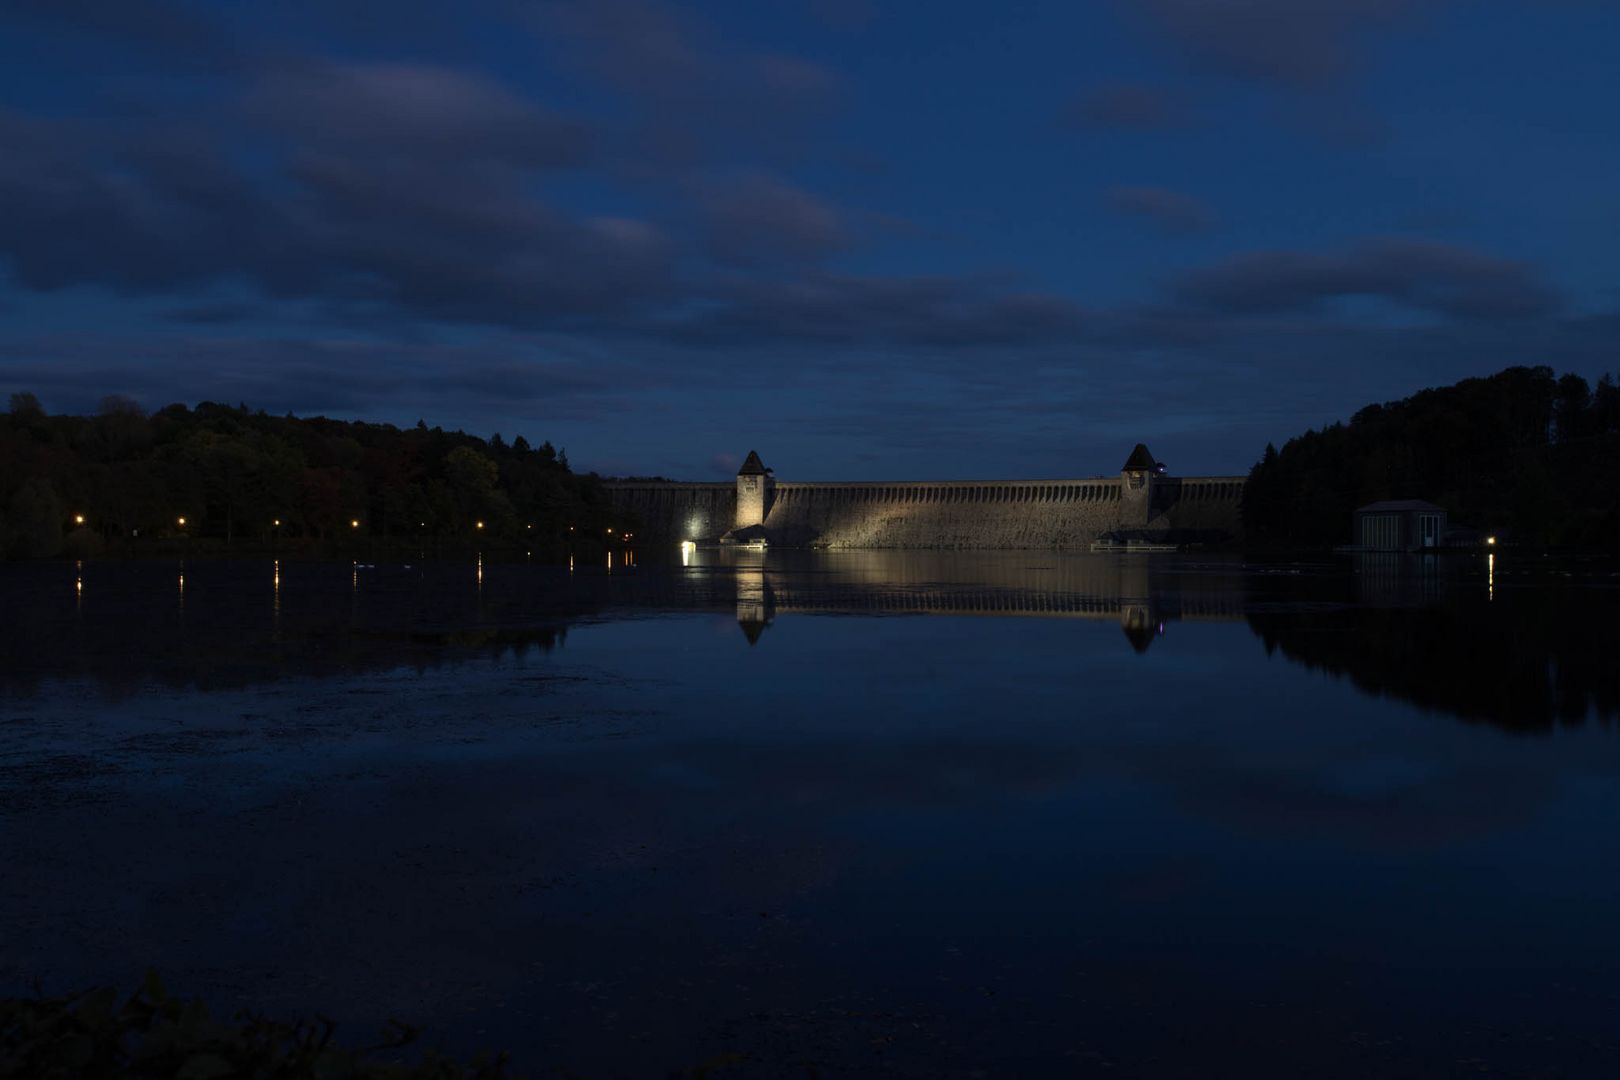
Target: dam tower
column 1136, row 488
column 755, row 487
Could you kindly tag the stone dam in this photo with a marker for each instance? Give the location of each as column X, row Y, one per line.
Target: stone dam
column 1140, row 504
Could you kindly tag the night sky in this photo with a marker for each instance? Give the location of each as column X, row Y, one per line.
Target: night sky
column 883, row 240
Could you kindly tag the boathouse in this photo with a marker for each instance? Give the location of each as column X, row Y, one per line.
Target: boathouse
column 1400, row 525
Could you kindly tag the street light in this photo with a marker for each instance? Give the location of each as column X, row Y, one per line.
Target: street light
column 355, row 523
column 480, row 524
column 181, row 522
column 78, row 519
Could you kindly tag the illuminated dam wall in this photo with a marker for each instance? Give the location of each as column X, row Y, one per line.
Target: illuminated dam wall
column 1011, row 514
column 1029, row 514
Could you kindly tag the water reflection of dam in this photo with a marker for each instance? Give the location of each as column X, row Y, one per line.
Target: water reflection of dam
column 1139, row 593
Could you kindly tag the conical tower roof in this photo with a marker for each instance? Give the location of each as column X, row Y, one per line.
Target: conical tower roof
column 753, row 466
column 1140, row 459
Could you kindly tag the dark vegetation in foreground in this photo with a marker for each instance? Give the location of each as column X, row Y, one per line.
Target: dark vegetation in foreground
column 154, row 1035
column 219, row 477
column 1523, row 453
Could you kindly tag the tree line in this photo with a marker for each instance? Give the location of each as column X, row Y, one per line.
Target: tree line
column 1524, row 453
column 221, row 476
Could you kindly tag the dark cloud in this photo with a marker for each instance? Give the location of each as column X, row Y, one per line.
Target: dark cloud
column 451, row 237
column 846, row 15
column 414, row 110
column 465, row 245
column 87, row 204
column 1440, row 278
column 1170, row 210
column 940, row 312
column 171, row 29
column 695, row 96
column 1126, row 106
column 224, row 311
column 1290, row 42
column 760, row 219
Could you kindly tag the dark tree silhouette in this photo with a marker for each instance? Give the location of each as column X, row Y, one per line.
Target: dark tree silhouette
column 237, row 476
column 1521, row 452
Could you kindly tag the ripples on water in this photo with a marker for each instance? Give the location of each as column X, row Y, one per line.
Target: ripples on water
column 917, row 814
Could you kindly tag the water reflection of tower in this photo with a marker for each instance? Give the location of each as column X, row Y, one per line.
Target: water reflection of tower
column 1139, row 614
column 756, row 604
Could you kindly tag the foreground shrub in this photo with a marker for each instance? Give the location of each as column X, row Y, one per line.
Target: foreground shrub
column 154, row 1035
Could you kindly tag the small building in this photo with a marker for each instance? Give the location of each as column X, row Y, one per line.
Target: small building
column 1400, row 525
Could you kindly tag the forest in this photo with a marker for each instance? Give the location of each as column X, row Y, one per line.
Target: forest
column 1525, row 454
column 220, row 478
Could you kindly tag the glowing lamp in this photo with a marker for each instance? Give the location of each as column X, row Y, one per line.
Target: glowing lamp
column 1491, row 540
column 78, row 519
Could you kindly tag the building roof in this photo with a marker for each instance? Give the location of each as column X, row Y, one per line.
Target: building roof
column 1139, row 459
column 1397, row 506
column 753, row 466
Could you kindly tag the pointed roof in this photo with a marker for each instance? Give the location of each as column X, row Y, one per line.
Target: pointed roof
column 1139, row 459
column 753, row 466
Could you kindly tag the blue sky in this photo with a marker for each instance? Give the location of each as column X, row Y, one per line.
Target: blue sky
column 870, row 240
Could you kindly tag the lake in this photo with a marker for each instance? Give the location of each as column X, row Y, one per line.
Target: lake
column 859, row 813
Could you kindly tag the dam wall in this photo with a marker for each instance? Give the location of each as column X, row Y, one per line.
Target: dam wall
column 676, row 511
column 1197, row 503
column 1138, row 503
column 1006, row 514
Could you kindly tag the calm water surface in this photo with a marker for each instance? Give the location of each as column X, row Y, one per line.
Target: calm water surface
column 928, row 814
